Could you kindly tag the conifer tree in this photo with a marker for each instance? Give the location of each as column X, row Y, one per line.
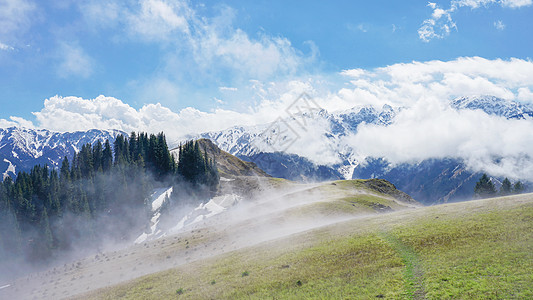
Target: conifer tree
column 46, row 232
column 518, row 188
column 484, row 187
column 107, row 157
column 98, row 156
column 506, row 188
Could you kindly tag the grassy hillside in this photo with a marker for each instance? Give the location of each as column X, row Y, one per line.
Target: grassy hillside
column 269, row 210
column 472, row 250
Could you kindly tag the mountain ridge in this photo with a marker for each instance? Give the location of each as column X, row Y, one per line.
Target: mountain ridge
column 22, row 148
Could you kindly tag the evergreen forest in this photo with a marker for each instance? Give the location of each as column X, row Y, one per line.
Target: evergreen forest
column 97, row 197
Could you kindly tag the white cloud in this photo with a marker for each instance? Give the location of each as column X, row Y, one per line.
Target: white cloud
column 101, row 13
column 516, row 3
column 357, row 28
column 5, row 47
column 16, row 122
column 499, row 25
column 525, row 94
column 429, row 128
column 229, row 89
column 158, row 19
column 254, row 58
column 440, row 24
column 74, row 62
column 405, row 84
column 355, row 73
column 15, row 19
column 74, row 113
column 201, row 44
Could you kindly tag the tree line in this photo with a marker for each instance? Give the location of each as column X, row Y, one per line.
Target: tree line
column 100, row 192
column 485, row 188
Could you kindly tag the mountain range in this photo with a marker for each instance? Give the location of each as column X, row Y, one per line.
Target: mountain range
column 22, row 148
column 429, row 181
column 309, row 146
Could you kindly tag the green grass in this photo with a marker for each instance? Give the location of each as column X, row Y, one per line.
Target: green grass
column 347, row 197
column 472, row 250
column 414, row 288
column 485, row 256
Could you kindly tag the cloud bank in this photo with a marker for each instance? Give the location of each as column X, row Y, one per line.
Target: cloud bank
column 431, row 130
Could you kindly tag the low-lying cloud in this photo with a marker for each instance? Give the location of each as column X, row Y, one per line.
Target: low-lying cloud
column 431, row 130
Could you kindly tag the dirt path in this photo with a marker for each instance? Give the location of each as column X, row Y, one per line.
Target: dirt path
column 413, row 273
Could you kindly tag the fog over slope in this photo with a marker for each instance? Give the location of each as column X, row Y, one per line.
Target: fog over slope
column 277, row 209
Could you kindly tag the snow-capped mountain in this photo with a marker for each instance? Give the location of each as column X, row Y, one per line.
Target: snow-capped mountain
column 495, row 106
column 22, row 148
column 437, row 180
column 293, row 135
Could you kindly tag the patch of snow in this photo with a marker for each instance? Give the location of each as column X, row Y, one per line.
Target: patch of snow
column 10, row 168
column 346, row 171
column 213, row 207
column 159, row 196
column 157, row 199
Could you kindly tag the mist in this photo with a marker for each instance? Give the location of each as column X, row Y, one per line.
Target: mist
column 267, row 212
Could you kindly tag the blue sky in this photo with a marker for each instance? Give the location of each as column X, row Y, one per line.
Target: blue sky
column 211, row 55
column 187, row 67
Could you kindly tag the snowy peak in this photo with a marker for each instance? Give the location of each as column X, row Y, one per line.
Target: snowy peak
column 22, row 148
column 239, row 140
column 320, row 127
column 494, row 106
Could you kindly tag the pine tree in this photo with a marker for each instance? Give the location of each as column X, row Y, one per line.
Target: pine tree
column 484, row 187
column 107, row 157
column 506, row 187
column 98, row 156
column 133, row 146
column 46, row 232
column 518, row 188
